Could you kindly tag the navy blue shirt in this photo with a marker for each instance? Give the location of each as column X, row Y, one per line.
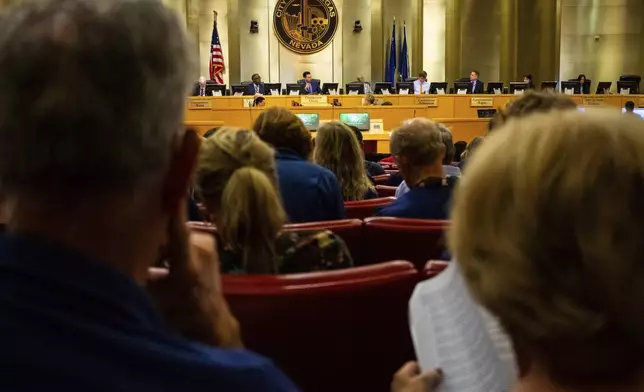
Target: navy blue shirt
column 69, row 323
column 429, row 200
column 310, row 193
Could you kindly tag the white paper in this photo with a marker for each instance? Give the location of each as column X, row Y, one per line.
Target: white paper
column 569, row 91
column 294, row 92
column 275, row 92
column 216, row 93
column 462, row 91
column 403, row 91
column 625, row 91
column 440, row 91
column 353, row 92
column 518, row 92
column 497, row 91
column 451, row 332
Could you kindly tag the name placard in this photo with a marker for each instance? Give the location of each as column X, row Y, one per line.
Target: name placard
column 640, row 103
column 313, row 100
column 482, row 102
column 593, row 101
column 199, row 104
column 427, row 101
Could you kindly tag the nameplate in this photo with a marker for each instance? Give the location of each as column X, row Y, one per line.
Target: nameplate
column 640, row 103
column 313, row 100
column 592, row 101
column 376, row 127
column 199, row 104
column 482, row 102
column 427, row 101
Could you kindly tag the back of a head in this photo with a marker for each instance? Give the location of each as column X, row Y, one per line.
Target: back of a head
column 448, row 141
column 629, row 106
column 92, row 95
column 551, row 242
column 358, row 133
column 420, row 141
column 471, row 147
column 337, row 148
column 532, row 103
column 237, row 180
column 282, row 129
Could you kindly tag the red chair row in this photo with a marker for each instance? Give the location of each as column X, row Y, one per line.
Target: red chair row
column 366, row 208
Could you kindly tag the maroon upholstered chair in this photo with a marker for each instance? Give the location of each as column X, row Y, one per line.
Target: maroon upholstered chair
column 382, row 179
column 415, row 240
column 366, row 208
column 434, row 267
column 350, row 230
column 386, row 191
column 344, row 330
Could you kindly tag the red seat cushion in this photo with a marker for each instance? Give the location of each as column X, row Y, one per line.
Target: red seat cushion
column 344, row 330
column 381, row 179
column 416, row 240
column 434, row 267
column 366, row 208
column 386, row 191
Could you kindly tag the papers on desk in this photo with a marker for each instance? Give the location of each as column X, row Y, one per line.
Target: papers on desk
column 452, row 332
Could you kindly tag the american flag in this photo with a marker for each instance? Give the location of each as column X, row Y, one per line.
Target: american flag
column 217, row 66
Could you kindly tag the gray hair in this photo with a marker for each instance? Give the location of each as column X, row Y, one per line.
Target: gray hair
column 92, row 94
column 448, row 141
column 419, row 140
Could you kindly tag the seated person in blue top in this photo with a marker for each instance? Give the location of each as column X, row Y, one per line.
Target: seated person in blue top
column 257, row 86
column 310, row 193
column 311, row 86
column 337, row 149
column 418, row 150
column 421, row 85
column 448, row 167
column 237, row 180
column 88, row 219
column 373, row 168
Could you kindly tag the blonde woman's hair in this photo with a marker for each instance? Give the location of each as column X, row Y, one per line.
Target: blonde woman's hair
column 548, row 230
column 237, row 180
column 471, row 146
column 337, row 148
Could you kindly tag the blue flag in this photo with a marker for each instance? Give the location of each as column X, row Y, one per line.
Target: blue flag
column 404, row 57
column 390, row 72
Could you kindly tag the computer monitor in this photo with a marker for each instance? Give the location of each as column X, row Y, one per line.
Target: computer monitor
column 603, row 87
column 238, row 89
column 462, row 85
column 486, row 113
column 270, row 87
column 495, row 87
column 358, row 120
column 330, row 89
column 550, row 85
column 383, row 88
column 518, row 87
column 405, row 87
column 569, row 86
column 311, row 120
column 438, row 88
column 630, row 85
column 354, row 89
column 295, row 89
column 215, row 89
column 638, row 111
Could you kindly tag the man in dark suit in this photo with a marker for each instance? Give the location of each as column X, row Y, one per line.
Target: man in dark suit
column 312, row 86
column 257, row 87
column 476, row 86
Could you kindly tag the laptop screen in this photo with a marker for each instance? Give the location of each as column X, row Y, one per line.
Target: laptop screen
column 311, row 120
column 358, row 120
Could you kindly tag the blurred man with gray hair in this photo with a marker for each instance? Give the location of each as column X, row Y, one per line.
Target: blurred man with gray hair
column 95, row 166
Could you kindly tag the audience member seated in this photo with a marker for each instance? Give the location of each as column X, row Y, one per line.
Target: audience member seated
column 469, row 151
column 553, row 247
column 531, row 103
column 88, row 219
column 419, row 152
column 237, row 180
column 448, row 167
column 459, row 147
column 337, row 149
column 310, row 193
column 373, row 168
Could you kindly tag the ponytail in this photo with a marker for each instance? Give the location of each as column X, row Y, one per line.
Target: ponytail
column 250, row 217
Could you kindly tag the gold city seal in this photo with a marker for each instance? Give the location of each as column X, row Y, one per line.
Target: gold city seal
column 305, row 26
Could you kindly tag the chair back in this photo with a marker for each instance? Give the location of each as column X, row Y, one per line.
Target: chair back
column 386, row 191
column 381, row 179
column 365, row 208
column 344, row 330
column 350, row 230
column 415, row 240
column 434, row 267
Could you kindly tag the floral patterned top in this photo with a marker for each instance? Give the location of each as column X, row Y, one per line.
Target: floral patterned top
column 301, row 251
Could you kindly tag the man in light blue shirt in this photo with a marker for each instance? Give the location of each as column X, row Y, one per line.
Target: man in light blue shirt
column 421, row 86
